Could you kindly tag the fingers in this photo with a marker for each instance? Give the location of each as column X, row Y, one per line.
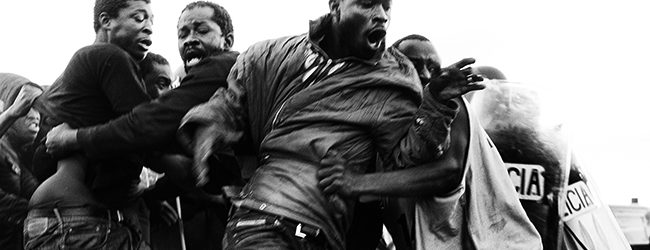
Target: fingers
column 474, row 78
column 330, row 184
column 473, row 87
column 333, row 157
column 327, row 178
column 462, row 63
column 337, row 202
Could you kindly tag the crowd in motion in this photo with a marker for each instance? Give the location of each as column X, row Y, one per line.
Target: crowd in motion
column 314, row 141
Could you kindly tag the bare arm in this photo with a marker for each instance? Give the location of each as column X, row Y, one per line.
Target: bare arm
column 19, row 108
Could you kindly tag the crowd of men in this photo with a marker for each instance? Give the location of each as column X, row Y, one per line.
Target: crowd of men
column 312, row 141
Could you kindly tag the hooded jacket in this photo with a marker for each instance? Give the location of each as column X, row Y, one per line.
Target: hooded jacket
column 295, row 104
column 16, row 182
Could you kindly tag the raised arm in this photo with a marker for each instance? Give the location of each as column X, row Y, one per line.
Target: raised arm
column 427, row 137
column 19, row 108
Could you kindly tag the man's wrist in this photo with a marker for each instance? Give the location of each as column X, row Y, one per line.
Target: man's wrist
column 359, row 185
column 12, row 113
column 74, row 140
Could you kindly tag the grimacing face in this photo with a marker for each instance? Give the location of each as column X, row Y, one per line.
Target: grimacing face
column 363, row 23
column 159, row 80
column 199, row 36
column 131, row 29
column 424, row 58
column 25, row 128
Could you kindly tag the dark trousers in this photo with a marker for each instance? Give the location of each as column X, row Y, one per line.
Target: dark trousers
column 250, row 229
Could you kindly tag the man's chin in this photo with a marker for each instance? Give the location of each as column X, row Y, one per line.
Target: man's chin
column 138, row 55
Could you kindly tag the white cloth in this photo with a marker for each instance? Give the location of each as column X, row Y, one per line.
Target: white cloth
column 483, row 212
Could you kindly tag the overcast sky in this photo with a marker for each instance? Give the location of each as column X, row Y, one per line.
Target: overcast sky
column 590, row 57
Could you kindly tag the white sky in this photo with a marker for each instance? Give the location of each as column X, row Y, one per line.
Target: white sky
column 589, row 56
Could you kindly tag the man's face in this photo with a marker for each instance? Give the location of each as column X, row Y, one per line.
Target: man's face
column 25, row 128
column 363, row 23
column 159, row 80
column 131, row 29
column 424, row 58
column 199, row 36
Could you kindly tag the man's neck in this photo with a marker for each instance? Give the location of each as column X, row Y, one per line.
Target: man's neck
column 101, row 37
column 333, row 44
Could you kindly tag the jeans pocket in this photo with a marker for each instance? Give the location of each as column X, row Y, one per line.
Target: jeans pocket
column 40, row 232
column 35, row 227
column 86, row 235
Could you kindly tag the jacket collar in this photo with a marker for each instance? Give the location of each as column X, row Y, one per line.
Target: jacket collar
column 320, row 27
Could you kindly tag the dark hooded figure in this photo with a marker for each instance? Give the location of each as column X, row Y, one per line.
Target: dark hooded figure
column 19, row 125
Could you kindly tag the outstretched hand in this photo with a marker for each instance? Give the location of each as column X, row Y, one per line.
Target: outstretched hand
column 61, row 140
column 455, row 81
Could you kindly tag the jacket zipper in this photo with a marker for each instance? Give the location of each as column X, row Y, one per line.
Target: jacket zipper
column 275, row 120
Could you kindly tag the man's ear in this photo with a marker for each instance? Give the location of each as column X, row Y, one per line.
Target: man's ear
column 334, row 6
column 229, row 40
column 105, row 20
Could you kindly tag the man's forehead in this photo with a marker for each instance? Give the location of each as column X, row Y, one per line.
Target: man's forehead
column 137, row 5
column 383, row 2
column 196, row 15
column 418, row 49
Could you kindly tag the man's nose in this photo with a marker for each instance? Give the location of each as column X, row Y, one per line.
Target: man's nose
column 147, row 27
column 191, row 40
column 381, row 15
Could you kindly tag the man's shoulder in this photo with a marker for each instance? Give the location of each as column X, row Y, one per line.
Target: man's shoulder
column 277, row 45
column 101, row 50
column 224, row 58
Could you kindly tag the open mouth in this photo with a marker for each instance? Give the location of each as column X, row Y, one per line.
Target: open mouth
column 376, row 37
column 192, row 57
column 33, row 127
column 144, row 44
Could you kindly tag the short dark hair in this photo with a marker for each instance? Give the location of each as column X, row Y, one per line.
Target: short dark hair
column 111, row 7
column 221, row 16
column 410, row 37
column 146, row 65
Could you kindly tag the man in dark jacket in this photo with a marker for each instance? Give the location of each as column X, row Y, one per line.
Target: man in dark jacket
column 334, row 91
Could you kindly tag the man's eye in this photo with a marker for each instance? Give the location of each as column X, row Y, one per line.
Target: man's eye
column 182, row 34
column 163, row 83
column 139, row 17
column 203, row 31
column 367, row 3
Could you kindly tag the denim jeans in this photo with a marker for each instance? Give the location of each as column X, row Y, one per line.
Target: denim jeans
column 75, row 232
column 250, row 229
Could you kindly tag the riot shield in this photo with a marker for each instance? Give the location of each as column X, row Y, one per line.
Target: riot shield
column 551, row 186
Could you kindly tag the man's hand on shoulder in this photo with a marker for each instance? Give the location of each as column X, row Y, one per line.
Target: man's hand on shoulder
column 455, row 81
column 61, row 140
